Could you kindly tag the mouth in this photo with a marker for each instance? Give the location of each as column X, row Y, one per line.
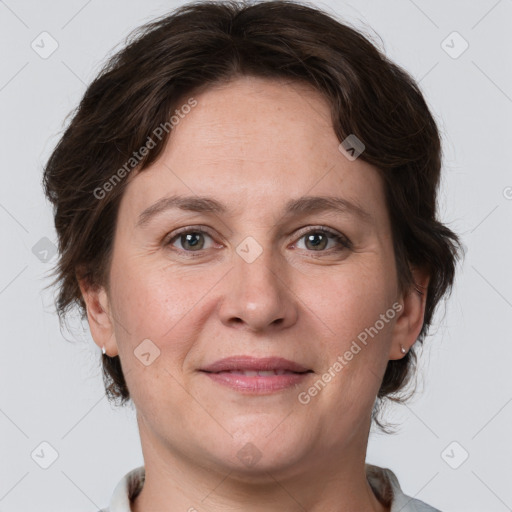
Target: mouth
column 259, row 373
column 256, row 375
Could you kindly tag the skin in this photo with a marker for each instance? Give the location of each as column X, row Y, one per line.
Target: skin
column 253, row 144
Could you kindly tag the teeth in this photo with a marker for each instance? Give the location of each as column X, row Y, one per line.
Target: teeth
column 262, row 373
column 267, row 373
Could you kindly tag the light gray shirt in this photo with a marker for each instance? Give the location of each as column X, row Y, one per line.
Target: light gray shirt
column 382, row 480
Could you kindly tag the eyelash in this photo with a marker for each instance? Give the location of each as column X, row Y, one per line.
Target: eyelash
column 344, row 242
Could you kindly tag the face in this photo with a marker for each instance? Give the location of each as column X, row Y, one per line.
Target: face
column 258, row 275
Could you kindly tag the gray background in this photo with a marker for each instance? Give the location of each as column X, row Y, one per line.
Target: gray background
column 51, row 389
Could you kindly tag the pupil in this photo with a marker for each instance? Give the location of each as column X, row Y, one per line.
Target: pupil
column 190, row 239
column 311, row 237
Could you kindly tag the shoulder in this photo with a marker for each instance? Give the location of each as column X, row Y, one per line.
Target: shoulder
column 126, row 489
column 386, row 486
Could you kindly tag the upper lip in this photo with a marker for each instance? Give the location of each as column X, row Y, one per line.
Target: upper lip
column 242, row 363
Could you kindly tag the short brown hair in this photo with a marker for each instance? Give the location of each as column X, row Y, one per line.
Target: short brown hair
column 206, row 43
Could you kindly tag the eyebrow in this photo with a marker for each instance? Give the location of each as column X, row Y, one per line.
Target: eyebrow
column 302, row 205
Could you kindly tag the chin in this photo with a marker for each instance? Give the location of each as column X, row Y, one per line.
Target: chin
column 258, row 449
column 251, row 465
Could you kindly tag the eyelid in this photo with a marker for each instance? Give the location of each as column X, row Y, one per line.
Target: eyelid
column 186, row 229
column 343, row 240
column 309, row 228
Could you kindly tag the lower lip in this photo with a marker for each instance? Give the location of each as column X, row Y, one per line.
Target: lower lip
column 258, row 384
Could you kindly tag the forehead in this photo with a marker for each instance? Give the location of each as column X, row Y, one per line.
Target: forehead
column 255, row 121
column 254, row 141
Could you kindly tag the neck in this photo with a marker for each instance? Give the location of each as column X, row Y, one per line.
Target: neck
column 278, row 499
column 174, row 482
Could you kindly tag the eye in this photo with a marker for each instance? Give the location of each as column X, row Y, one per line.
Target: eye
column 190, row 239
column 317, row 240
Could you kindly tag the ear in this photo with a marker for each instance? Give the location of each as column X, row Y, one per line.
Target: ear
column 410, row 320
column 99, row 316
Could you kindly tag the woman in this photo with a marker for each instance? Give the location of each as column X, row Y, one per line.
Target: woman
column 246, row 208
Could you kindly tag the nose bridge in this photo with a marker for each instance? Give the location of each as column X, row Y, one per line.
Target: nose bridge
column 256, row 265
column 256, row 268
column 258, row 294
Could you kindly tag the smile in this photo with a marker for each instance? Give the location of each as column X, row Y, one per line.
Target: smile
column 256, row 375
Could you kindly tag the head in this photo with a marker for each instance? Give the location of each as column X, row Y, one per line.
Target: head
column 247, row 105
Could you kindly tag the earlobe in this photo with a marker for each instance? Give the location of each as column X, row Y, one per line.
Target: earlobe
column 99, row 317
column 410, row 321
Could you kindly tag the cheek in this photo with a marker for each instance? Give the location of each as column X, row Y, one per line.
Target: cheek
column 149, row 298
column 350, row 300
column 356, row 305
column 152, row 304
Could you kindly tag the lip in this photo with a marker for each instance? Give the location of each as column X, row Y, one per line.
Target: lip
column 224, row 372
column 249, row 363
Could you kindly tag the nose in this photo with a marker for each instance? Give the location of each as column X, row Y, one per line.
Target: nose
column 258, row 295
